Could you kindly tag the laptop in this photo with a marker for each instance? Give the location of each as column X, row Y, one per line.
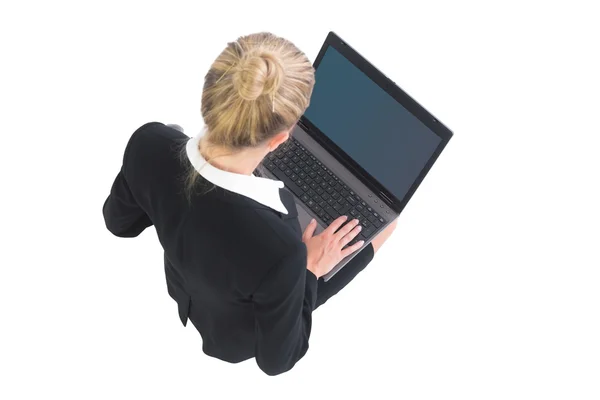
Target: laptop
column 361, row 149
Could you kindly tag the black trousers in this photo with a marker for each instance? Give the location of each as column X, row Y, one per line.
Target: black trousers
column 325, row 290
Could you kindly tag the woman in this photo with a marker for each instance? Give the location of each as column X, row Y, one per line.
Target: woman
column 235, row 258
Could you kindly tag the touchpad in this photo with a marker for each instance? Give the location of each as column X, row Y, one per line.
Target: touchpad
column 304, row 218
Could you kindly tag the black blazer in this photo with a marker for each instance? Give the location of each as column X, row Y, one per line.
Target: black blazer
column 236, row 268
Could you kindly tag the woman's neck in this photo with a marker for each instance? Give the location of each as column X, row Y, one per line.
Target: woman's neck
column 237, row 161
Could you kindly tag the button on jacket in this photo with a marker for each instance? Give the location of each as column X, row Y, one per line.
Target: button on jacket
column 234, row 258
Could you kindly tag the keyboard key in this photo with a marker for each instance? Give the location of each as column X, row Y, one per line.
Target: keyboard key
column 305, row 187
column 344, row 192
column 320, row 190
column 340, row 200
column 359, row 208
column 345, row 208
column 377, row 223
column 372, row 219
column 351, row 200
column 304, row 198
column 287, row 181
column 336, row 195
column 332, row 212
column 366, row 233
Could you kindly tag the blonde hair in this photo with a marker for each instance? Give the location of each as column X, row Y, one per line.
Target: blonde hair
column 259, row 85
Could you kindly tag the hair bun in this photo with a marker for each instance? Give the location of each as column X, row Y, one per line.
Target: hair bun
column 258, row 74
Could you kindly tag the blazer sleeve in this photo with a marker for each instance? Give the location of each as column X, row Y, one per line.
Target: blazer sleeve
column 122, row 215
column 283, row 304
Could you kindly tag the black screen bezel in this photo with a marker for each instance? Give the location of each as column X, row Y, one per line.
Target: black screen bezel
column 401, row 97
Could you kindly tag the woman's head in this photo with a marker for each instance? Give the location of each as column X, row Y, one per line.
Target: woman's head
column 258, row 87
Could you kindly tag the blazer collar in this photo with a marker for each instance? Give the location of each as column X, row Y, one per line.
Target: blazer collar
column 262, row 190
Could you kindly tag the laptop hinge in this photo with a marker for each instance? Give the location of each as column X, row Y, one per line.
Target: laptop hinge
column 302, row 126
column 384, row 197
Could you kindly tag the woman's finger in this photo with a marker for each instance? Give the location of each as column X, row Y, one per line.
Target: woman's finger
column 346, row 229
column 336, row 224
column 351, row 249
column 309, row 230
column 350, row 235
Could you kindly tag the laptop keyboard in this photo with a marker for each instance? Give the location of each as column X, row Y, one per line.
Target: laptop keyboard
column 320, row 189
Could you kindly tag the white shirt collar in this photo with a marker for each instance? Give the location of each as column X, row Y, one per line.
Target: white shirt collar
column 261, row 190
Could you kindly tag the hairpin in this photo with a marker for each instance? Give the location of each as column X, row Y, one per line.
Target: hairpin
column 224, row 73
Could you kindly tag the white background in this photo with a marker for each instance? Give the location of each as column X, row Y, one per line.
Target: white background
column 488, row 289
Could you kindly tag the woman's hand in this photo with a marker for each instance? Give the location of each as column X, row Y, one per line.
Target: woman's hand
column 325, row 249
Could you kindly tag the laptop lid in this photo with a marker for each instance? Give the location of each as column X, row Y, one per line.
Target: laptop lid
column 376, row 130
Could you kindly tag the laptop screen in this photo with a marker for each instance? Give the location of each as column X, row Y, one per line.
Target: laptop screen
column 376, row 131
